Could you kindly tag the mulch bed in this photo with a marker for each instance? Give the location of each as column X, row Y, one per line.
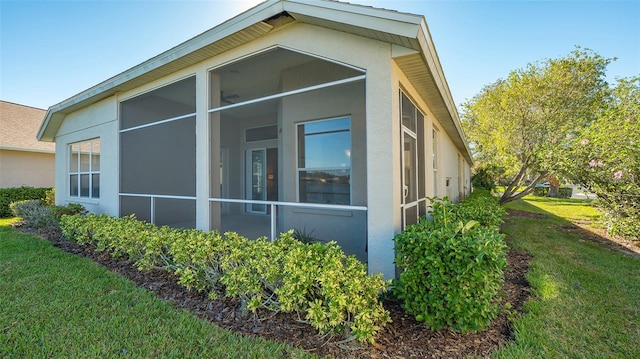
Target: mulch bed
column 402, row 338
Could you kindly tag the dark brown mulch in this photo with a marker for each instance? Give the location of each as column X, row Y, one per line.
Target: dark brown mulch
column 403, row 338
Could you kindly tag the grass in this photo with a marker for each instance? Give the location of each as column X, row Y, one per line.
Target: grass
column 57, row 305
column 587, row 296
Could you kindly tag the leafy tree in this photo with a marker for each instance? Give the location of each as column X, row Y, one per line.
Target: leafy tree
column 512, row 121
column 485, row 177
column 604, row 158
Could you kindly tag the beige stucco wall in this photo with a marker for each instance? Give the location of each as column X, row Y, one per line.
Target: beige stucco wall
column 22, row 168
column 96, row 121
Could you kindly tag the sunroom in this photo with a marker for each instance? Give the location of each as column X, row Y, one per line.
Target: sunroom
column 286, row 150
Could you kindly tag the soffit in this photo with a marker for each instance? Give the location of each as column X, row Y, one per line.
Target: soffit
column 370, row 33
column 416, row 70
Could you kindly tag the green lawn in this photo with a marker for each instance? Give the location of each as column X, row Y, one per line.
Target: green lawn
column 588, row 298
column 57, row 305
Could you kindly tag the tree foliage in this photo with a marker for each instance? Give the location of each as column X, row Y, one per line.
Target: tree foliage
column 511, row 122
column 604, row 157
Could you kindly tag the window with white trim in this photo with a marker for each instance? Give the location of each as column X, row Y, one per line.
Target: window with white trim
column 84, row 169
column 324, row 161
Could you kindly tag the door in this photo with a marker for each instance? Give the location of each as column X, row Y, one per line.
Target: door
column 261, row 178
column 409, row 178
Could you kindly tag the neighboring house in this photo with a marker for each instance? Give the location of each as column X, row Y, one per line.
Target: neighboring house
column 330, row 118
column 24, row 161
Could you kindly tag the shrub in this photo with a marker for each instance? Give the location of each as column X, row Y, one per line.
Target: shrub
column 330, row 290
column 50, row 197
column 453, row 265
column 452, row 274
column 69, row 209
column 42, row 218
column 480, row 206
column 540, row 191
column 565, row 192
column 333, row 290
column 16, row 194
column 34, row 214
column 484, row 178
column 24, row 208
column 196, row 256
column 622, row 215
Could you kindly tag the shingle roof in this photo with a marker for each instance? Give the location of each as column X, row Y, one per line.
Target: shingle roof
column 19, row 126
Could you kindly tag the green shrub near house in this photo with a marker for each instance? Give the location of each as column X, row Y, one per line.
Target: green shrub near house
column 36, row 215
column 480, row 206
column 328, row 289
column 15, row 194
column 453, row 264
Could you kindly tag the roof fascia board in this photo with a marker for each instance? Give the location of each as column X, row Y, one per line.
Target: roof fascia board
column 24, row 149
column 229, row 27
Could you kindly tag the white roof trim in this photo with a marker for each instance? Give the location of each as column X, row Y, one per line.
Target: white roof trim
column 344, row 16
column 25, row 149
column 229, row 27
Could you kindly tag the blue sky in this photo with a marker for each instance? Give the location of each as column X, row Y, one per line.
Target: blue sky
column 52, row 50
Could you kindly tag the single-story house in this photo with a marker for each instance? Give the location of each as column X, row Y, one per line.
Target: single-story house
column 24, row 161
column 329, row 118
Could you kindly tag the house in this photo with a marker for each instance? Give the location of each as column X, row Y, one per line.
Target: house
column 24, row 161
column 328, row 118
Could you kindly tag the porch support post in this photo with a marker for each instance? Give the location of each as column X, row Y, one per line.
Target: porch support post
column 202, row 152
column 383, row 168
column 273, row 221
column 214, row 209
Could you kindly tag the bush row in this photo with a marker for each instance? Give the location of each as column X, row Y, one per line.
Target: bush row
column 480, row 206
column 38, row 215
column 453, row 264
column 15, row 194
column 329, row 290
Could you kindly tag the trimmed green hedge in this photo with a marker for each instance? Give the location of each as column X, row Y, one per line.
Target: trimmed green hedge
column 328, row 289
column 15, row 194
column 453, row 265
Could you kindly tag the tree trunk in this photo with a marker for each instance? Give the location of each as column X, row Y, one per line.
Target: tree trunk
column 554, row 186
column 512, row 197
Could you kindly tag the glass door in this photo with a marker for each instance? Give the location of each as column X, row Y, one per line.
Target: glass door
column 409, row 178
column 256, row 180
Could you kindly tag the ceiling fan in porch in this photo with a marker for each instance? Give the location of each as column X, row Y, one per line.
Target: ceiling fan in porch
column 228, row 98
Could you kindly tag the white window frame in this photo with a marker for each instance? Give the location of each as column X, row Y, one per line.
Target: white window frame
column 78, row 173
column 299, row 169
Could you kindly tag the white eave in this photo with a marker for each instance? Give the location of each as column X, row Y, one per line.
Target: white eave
column 404, row 30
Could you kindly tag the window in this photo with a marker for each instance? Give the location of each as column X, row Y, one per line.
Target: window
column 262, row 133
column 84, row 169
column 412, row 155
column 324, row 161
